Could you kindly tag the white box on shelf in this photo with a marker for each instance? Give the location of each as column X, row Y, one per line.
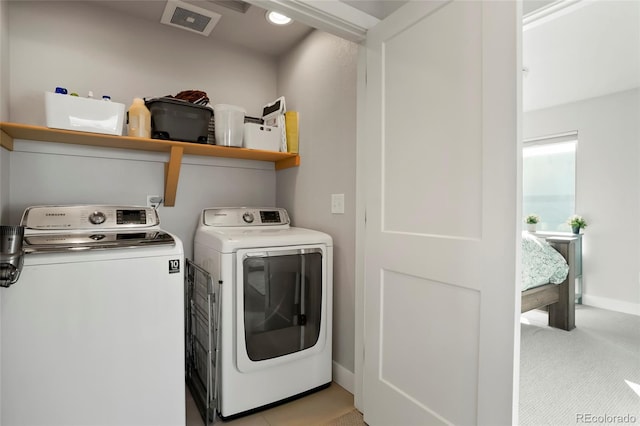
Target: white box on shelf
column 83, row 114
column 259, row 136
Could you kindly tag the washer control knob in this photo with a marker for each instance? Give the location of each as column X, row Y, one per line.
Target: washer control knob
column 248, row 217
column 97, row 218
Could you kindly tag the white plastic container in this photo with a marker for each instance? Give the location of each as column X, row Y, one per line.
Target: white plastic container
column 229, row 124
column 83, row 114
column 259, row 136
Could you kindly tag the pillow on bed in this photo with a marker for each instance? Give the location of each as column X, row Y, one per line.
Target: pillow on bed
column 541, row 263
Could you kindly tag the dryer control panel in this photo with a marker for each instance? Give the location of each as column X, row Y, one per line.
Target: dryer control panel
column 89, row 217
column 245, row 216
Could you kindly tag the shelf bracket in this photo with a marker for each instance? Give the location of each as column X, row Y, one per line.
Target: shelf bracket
column 288, row 162
column 6, row 140
column 172, row 174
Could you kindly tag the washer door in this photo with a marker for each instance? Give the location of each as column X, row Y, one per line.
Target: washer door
column 281, row 305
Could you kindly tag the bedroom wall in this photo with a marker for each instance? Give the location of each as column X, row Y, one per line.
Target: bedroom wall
column 83, row 46
column 608, row 176
column 318, row 79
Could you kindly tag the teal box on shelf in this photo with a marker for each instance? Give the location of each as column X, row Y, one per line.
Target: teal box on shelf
column 83, row 114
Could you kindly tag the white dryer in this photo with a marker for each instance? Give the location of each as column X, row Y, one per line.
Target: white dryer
column 93, row 329
column 276, row 306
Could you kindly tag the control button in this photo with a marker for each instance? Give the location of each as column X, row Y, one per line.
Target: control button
column 97, row 218
column 97, row 237
column 247, row 217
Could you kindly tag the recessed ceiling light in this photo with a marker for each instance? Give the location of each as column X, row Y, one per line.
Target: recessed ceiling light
column 277, row 18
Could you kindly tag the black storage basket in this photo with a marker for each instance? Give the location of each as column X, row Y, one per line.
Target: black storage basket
column 178, row 120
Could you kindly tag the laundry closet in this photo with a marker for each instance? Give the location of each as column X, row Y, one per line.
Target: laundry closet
column 86, row 46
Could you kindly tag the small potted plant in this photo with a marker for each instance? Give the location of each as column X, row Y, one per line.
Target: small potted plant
column 577, row 222
column 532, row 221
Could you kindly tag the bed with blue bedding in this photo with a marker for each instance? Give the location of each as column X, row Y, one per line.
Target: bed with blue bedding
column 548, row 277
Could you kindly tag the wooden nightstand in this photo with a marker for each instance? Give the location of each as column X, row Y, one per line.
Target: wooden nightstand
column 560, row 239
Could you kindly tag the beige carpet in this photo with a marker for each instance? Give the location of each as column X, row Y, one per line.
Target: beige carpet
column 352, row 418
column 567, row 376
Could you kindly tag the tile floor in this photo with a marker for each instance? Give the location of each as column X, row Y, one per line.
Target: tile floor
column 316, row 409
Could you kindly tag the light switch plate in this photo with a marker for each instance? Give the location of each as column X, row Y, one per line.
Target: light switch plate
column 337, row 203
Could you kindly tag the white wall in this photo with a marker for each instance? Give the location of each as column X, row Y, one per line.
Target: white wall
column 44, row 173
column 4, row 105
column 4, row 61
column 607, row 192
column 82, row 46
column 4, row 115
column 318, row 79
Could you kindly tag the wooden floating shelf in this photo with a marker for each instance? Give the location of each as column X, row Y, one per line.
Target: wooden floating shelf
column 175, row 149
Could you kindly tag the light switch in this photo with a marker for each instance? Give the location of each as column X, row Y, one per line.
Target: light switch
column 337, row 203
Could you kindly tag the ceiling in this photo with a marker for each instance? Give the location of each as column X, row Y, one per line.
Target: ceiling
column 572, row 49
column 249, row 30
column 589, row 49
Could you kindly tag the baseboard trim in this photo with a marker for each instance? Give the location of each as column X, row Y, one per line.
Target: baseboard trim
column 611, row 304
column 343, row 377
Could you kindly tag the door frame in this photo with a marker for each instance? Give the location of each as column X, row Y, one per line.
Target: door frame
column 359, row 309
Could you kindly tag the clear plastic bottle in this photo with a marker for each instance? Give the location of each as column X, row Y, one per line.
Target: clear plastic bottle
column 139, row 119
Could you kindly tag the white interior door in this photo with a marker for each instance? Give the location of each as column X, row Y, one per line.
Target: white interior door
column 442, row 116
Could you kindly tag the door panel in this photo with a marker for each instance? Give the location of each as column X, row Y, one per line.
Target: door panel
column 405, row 299
column 436, row 125
column 441, row 231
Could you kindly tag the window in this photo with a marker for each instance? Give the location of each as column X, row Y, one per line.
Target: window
column 549, row 180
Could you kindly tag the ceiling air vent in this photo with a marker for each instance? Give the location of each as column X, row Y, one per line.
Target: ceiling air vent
column 189, row 17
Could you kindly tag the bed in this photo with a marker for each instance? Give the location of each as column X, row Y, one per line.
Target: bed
column 548, row 277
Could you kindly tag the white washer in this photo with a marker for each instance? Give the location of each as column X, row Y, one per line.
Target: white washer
column 93, row 330
column 276, row 305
